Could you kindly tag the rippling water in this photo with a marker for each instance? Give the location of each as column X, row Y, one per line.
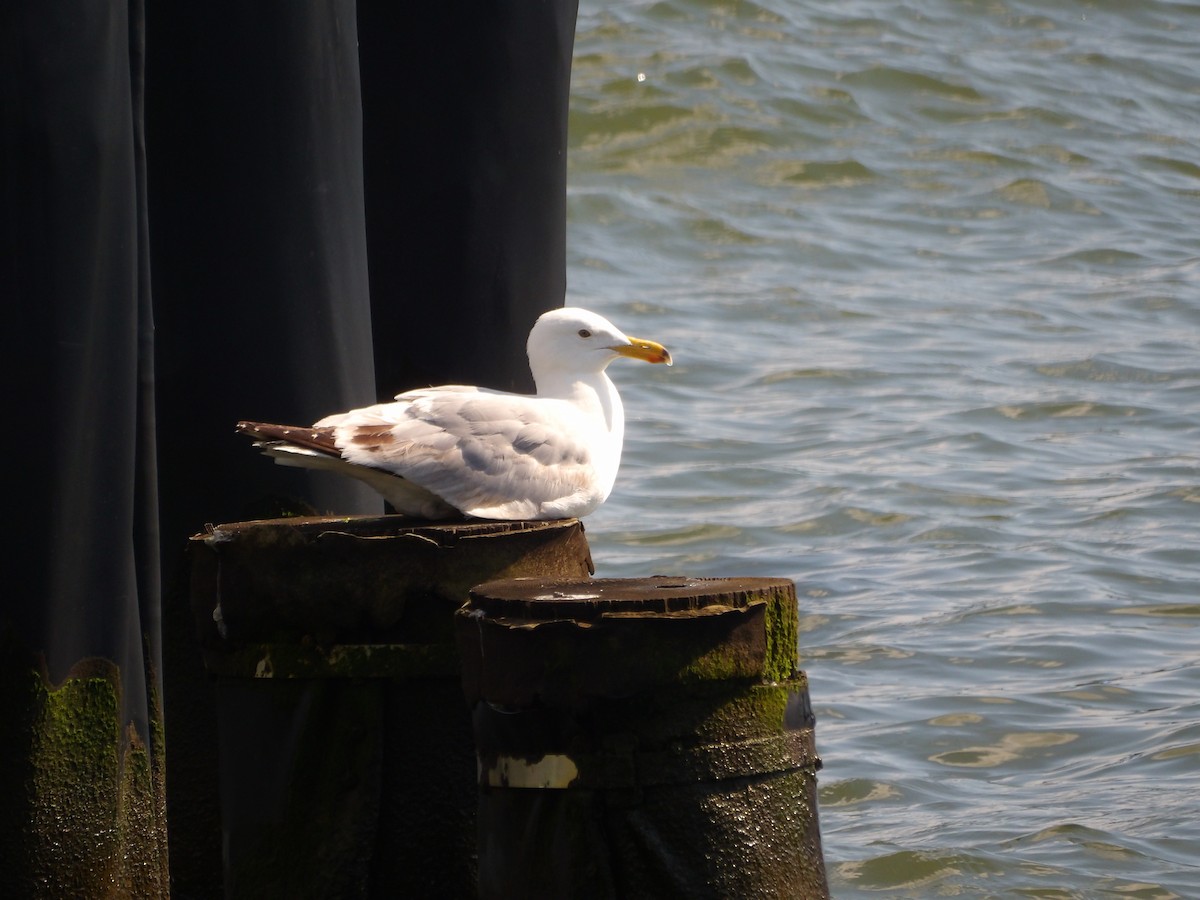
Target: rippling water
column 931, row 271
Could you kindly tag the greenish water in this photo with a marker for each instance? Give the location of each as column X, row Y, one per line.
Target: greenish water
column 931, row 272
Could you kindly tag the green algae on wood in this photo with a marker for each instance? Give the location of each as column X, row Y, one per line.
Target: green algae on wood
column 84, row 808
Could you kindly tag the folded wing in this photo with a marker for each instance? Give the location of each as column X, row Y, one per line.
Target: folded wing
column 488, row 454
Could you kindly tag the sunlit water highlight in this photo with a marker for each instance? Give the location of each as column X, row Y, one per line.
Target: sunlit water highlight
column 931, row 272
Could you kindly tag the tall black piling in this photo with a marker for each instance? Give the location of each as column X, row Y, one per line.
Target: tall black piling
column 641, row 738
column 340, row 631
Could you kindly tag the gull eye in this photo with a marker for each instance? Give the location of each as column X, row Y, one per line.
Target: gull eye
column 584, row 333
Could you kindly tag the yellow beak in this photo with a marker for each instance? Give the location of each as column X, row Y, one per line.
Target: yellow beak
column 637, row 348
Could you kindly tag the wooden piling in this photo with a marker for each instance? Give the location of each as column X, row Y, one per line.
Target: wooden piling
column 641, row 737
column 337, row 634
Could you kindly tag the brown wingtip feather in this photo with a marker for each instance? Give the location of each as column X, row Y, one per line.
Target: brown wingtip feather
column 319, row 439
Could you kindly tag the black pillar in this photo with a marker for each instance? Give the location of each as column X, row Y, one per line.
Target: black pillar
column 79, row 621
column 261, row 299
column 465, row 117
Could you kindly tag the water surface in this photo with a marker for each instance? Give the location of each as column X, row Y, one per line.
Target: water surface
column 931, row 274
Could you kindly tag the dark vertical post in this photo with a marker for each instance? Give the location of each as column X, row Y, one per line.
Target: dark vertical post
column 81, row 755
column 465, row 125
column 641, row 738
column 260, row 284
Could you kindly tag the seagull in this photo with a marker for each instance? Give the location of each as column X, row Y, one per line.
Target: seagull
column 458, row 450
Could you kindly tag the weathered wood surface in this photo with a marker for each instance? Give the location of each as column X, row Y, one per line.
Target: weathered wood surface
column 642, row 737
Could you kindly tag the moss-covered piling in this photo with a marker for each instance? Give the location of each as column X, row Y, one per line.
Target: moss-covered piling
column 83, row 810
column 642, row 737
